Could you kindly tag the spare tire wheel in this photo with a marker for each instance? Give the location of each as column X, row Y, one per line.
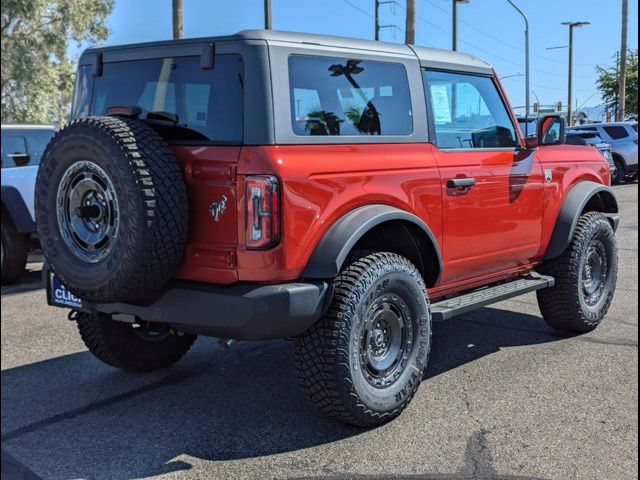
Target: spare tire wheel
column 111, row 209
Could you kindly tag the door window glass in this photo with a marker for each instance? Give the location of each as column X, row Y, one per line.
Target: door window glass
column 342, row 96
column 14, row 151
column 468, row 112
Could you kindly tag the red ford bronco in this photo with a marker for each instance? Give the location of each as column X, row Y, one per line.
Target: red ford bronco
column 341, row 193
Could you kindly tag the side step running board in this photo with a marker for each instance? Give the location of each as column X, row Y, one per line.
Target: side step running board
column 446, row 309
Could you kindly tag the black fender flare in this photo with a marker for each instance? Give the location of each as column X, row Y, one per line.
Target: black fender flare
column 575, row 202
column 334, row 247
column 14, row 206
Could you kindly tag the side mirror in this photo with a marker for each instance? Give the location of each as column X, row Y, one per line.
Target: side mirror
column 552, row 130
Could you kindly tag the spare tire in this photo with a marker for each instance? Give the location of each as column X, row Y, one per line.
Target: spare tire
column 111, row 209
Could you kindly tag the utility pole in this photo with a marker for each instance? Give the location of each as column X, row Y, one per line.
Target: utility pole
column 379, row 27
column 377, row 21
column 454, row 19
column 617, row 97
column 177, row 19
column 410, row 25
column 622, row 82
column 526, row 64
column 571, row 26
column 267, row 14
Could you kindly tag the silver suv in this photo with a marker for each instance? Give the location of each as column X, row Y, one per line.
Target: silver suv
column 22, row 147
column 623, row 137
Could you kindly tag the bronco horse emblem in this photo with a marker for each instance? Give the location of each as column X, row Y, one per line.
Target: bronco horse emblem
column 217, row 208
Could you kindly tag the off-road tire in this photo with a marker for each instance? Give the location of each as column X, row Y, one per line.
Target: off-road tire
column 14, row 251
column 117, row 344
column 327, row 355
column 564, row 306
column 152, row 202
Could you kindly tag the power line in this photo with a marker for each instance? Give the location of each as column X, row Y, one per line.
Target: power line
column 554, row 88
column 499, row 40
column 491, row 54
column 361, row 10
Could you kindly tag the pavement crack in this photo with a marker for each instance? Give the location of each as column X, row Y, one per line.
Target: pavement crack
column 478, row 459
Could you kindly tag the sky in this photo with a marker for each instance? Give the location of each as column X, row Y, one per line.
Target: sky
column 488, row 29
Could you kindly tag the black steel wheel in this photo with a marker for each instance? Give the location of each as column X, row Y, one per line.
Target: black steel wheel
column 88, row 211
column 364, row 360
column 586, row 275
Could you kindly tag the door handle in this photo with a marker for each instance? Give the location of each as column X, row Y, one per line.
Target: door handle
column 461, row 182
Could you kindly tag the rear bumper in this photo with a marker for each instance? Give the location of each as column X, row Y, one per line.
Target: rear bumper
column 242, row 312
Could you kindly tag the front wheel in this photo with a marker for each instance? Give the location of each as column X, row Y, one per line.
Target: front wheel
column 141, row 347
column 364, row 360
column 14, row 252
column 620, row 172
column 586, row 275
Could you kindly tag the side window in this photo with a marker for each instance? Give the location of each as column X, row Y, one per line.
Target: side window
column 82, row 92
column 468, row 112
column 342, row 96
column 37, row 141
column 14, row 151
column 616, row 132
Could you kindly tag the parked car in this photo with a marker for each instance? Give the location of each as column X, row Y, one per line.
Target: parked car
column 592, row 139
column 341, row 193
column 22, row 148
column 623, row 137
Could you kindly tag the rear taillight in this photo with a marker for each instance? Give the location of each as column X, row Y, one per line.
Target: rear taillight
column 263, row 211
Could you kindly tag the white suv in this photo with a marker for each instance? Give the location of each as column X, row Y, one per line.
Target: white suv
column 623, row 138
column 22, row 148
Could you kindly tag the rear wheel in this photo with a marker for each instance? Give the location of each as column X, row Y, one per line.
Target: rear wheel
column 14, row 252
column 586, row 275
column 142, row 346
column 364, row 360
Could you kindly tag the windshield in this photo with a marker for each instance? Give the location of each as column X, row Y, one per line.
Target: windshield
column 182, row 101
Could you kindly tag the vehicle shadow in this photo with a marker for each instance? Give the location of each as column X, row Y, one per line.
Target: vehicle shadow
column 73, row 417
column 30, row 280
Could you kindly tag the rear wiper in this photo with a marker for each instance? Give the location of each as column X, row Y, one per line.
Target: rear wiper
column 163, row 116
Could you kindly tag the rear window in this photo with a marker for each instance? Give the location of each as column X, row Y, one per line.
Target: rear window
column 181, row 100
column 21, row 148
column 616, row 132
column 343, row 96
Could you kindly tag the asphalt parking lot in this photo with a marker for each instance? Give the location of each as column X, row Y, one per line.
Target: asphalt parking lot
column 506, row 398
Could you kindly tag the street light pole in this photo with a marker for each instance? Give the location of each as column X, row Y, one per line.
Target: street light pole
column 526, row 62
column 454, row 19
column 571, row 26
